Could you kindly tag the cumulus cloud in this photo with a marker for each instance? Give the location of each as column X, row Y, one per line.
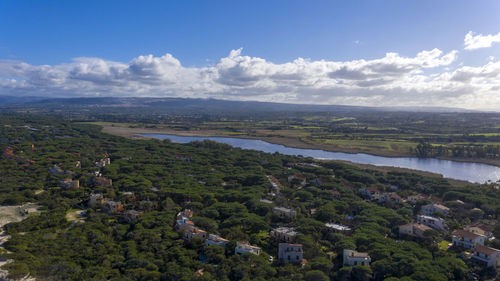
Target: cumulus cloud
column 474, row 41
column 424, row 79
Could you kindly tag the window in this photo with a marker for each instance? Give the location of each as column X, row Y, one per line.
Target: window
column 288, row 257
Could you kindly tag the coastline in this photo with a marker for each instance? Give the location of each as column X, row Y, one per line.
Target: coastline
column 289, row 142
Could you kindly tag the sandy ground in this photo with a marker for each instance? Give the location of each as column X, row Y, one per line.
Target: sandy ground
column 74, row 216
column 13, row 214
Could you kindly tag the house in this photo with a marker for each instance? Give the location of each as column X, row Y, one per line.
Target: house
column 276, row 186
column 319, row 181
column 336, row 194
column 389, row 197
column 466, row 239
column 338, row 228
column 431, row 209
column 413, row 229
column 266, row 201
column 183, row 224
column 370, row 193
column 70, row 183
column 285, row 212
column 102, row 181
column 481, row 229
column 103, row 162
column 112, row 207
column 95, row 200
column 128, row 196
column 415, row 198
column 285, row 234
column 353, row 258
column 244, row 248
column 299, row 178
column 290, row 253
column 436, row 223
column 194, row 232
column 486, row 255
column 58, row 171
column 130, row 216
column 216, row 240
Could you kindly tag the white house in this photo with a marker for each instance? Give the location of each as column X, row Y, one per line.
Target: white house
column 285, row 234
column 290, row 253
column 353, row 258
column 466, row 239
column 338, row 228
column 216, row 240
column 413, row 229
column 430, row 209
column 243, row 248
column 436, row 223
column 486, row 255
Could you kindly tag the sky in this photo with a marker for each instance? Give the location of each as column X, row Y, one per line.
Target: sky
column 375, row 53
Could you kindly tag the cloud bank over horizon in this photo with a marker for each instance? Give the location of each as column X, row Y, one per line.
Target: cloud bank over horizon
column 430, row 78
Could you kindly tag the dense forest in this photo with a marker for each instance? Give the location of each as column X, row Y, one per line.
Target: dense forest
column 228, row 191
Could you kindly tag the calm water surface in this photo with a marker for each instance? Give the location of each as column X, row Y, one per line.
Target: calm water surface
column 474, row 172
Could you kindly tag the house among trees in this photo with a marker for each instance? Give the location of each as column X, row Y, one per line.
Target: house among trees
column 284, row 234
column 194, row 232
column 103, row 162
column 431, row 209
column 415, row 198
column 285, row 212
column 70, row 183
column 95, row 200
column 338, row 228
column 297, row 178
column 413, row 229
column 58, row 171
column 290, row 253
column 244, row 248
column 370, row 193
column 353, row 258
column 102, row 181
column 481, row 229
column 390, row 197
column 112, row 207
column 130, row 216
column 436, row 223
column 466, row 239
column 216, row 240
column 183, row 221
column 486, row 256
column 276, row 186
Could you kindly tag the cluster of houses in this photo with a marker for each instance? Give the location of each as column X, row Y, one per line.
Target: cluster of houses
column 112, row 207
column 288, row 252
column 471, row 238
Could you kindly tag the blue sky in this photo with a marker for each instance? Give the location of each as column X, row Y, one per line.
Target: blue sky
column 200, row 34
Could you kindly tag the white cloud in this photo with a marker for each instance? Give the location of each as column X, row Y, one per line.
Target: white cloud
column 427, row 79
column 473, row 41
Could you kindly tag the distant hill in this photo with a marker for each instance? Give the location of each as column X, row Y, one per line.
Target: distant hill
column 199, row 105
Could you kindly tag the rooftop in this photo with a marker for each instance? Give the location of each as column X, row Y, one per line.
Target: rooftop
column 486, row 250
column 465, row 234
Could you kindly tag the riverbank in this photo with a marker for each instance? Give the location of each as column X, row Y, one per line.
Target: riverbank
column 286, row 141
column 10, row 214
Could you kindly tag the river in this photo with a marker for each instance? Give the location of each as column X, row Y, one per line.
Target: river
column 468, row 171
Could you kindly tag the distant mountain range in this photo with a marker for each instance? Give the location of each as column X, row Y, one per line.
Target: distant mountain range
column 199, row 105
